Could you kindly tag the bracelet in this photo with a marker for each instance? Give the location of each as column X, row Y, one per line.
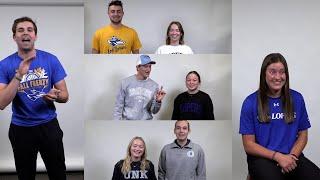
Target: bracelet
column 17, row 78
column 273, row 155
column 294, row 155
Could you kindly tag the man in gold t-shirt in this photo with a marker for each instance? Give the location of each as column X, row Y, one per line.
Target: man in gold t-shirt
column 115, row 38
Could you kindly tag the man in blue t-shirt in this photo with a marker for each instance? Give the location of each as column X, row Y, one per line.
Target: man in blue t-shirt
column 33, row 80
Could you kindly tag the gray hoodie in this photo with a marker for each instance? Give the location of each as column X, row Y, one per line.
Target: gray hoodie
column 182, row 163
column 136, row 99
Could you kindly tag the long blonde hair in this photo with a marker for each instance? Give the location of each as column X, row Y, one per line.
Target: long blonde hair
column 126, row 166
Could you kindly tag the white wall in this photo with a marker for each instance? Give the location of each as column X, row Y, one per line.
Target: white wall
column 42, row 2
column 103, row 150
column 105, row 72
column 291, row 28
column 60, row 31
column 207, row 23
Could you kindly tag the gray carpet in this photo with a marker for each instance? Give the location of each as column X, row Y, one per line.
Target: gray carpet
column 43, row 176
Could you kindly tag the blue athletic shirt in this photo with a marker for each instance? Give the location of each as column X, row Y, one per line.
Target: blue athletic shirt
column 276, row 135
column 28, row 106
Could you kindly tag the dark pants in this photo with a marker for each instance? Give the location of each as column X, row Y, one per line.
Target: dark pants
column 28, row 141
column 265, row 169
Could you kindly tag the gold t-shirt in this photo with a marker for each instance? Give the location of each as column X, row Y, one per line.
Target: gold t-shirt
column 109, row 40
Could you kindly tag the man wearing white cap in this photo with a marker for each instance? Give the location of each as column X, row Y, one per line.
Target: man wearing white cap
column 139, row 96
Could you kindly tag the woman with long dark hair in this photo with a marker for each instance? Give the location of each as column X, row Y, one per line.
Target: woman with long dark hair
column 174, row 41
column 274, row 126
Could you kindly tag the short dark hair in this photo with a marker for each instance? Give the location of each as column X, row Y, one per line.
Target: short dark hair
column 181, row 41
column 115, row 3
column 23, row 19
column 196, row 73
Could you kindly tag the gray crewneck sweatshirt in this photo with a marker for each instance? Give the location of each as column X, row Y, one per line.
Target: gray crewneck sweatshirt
column 136, row 99
column 182, row 163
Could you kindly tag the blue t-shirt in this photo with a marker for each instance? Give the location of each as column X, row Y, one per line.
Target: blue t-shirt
column 28, row 106
column 276, row 135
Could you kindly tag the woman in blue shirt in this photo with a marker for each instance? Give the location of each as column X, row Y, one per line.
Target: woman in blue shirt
column 274, row 126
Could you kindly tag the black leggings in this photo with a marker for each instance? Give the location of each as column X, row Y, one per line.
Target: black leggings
column 266, row 169
column 46, row 138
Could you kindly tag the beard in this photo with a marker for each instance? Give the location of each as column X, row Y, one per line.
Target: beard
column 27, row 48
column 116, row 22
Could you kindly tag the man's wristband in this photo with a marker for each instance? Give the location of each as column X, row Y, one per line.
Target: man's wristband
column 17, row 77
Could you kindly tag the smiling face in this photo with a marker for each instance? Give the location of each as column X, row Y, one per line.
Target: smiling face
column 143, row 71
column 181, row 130
column 174, row 34
column 137, row 150
column 192, row 83
column 275, row 78
column 115, row 14
column 25, row 36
